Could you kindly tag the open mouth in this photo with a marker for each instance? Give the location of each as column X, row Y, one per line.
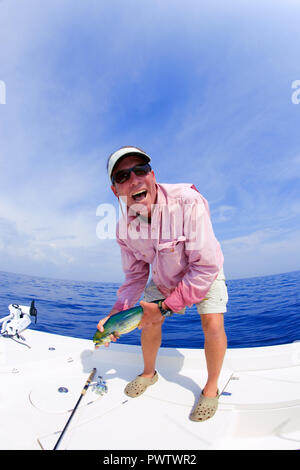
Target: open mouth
column 139, row 195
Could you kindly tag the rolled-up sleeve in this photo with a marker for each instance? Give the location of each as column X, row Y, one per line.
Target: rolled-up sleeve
column 136, row 276
column 204, row 256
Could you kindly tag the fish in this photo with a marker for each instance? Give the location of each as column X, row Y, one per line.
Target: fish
column 119, row 324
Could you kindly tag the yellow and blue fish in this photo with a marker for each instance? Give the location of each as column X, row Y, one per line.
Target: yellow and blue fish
column 119, row 324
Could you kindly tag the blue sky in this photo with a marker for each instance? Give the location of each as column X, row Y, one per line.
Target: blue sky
column 204, row 87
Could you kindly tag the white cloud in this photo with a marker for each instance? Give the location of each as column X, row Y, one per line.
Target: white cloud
column 261, row 253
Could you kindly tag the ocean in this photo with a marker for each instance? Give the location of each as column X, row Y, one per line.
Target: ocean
column 262, row 311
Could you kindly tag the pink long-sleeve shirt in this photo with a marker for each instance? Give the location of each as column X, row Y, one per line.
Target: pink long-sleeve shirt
column 179, row 244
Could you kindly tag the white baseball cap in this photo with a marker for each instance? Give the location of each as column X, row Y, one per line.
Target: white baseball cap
column 122, row 152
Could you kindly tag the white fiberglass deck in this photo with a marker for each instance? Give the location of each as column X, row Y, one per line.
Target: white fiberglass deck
column 259, row 407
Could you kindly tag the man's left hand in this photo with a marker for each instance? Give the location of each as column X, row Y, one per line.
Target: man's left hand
column 151, row 314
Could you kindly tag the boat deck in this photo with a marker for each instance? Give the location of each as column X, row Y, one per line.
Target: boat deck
column 259, row 407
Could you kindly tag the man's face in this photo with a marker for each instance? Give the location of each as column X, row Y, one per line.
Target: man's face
column 138, row 192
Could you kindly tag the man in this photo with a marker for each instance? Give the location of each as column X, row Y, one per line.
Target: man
column 168, row 227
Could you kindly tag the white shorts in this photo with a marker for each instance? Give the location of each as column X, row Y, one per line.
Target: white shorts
column 215, row 301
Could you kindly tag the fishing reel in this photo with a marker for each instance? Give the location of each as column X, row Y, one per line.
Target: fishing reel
column 18, row 319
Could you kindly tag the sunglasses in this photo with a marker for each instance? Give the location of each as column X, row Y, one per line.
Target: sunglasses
column 123, row 175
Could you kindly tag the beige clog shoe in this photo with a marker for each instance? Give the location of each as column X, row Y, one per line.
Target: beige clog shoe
column 136, row 387
column 205, row 408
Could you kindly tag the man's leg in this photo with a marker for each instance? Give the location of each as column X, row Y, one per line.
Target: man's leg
column 215, row 347
column 151, row 341
column 151, row 335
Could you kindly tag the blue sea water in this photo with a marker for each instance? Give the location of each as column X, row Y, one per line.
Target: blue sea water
column 262, row 311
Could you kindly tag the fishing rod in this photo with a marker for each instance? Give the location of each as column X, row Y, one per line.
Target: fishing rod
column 83, row 392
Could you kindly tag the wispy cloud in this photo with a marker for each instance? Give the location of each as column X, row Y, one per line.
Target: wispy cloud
column 262, row 252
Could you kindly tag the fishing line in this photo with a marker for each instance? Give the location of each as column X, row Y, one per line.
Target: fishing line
column 5, row 335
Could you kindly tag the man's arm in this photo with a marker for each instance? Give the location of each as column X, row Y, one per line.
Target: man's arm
column 205, row 257
column 136, row 277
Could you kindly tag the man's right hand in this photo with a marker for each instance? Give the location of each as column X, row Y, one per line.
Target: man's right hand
column 100, row 327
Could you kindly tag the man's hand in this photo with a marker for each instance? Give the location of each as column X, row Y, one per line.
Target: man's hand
column 100, row 327
column 151, row 314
